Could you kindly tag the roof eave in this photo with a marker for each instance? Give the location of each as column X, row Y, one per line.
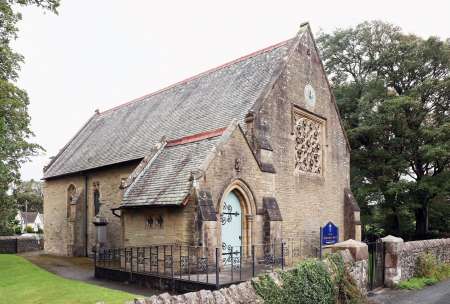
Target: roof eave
column 137, row 206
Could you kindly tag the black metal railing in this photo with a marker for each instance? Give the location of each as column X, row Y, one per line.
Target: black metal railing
column 214, row 266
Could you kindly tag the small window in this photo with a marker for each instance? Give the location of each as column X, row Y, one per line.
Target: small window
column 71, row 198
column 96, row 194
column 123, row 183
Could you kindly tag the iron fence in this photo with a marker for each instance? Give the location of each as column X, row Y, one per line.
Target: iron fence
column 213, row 266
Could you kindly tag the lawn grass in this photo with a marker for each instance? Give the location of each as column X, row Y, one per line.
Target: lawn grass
column 23, row 282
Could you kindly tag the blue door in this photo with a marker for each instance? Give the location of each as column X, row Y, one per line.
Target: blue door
column 231, row 219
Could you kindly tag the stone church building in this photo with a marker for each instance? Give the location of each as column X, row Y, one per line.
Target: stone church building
column 246, row 153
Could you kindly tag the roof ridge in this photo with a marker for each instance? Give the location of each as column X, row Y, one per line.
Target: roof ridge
column 199, row 75
column 195, row 137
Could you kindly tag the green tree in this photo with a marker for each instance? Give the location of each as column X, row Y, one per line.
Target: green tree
column 28, row 196
column 15, row 132
column 393, row 92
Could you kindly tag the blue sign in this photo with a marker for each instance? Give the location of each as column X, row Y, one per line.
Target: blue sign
column 330, row 234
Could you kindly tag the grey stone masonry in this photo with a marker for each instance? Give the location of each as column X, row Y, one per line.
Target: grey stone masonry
column 400, row 260
column 18, row 244
column 245, row 293
column 410, row 251
column 355, row 255
column 235, row 294
column 392, row 269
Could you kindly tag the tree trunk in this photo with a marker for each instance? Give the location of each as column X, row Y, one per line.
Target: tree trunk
column 396, row 223
column 421, row 221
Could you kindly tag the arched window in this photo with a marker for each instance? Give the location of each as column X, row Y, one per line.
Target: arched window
column 71, row 198
column 96, row 195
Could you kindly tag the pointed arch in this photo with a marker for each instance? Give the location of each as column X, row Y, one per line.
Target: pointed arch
column 71, row 199
column 248, row 208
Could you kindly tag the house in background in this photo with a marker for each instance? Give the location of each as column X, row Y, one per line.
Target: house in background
column 33, row 219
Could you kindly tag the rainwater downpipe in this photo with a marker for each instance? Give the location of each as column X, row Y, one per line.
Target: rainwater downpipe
column 85, row 215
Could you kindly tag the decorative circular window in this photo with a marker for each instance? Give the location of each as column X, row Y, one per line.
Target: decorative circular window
column 310, row 95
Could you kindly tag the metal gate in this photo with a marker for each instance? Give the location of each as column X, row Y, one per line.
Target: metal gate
column 376, row 264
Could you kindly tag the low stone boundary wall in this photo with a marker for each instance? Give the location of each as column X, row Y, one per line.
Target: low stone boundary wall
column 359, row 270
column 356, row 258
column 354, row 254
column 243, row 293
column 14, row 244
column 401, row 258
column 410, row 251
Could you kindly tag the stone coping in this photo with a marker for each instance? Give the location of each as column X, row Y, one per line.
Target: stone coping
column 424, row 244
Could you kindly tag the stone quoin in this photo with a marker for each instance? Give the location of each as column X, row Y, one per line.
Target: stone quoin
column 254, row 147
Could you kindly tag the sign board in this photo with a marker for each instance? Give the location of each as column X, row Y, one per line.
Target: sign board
column 330, row 234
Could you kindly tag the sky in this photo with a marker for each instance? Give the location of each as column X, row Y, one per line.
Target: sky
column 99, row 54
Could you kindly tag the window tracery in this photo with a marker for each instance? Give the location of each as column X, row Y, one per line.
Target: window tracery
column 308, row 144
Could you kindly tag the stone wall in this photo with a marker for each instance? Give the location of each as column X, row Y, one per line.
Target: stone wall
column 59, row 233
column 141, row 227
column 308, row 190
column 359, row 270
column 410, row 251
column 222, row 176
column 29, row 244
column 66, row 237
column 401, row 258
column 244, row 293
column 356, row 257
column 20, row 244
column 307, row 200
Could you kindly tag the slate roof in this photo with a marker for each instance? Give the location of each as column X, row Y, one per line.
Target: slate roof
column 28, row 217
column 205, row 102
column 167, row 179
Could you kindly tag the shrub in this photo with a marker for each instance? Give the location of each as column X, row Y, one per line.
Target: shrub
column 417, row 283
column 347, row 289
column 442, row 271
column 426, row 265
column 267, row 289
column 428, row 272
column 18, row 230
column 29, row 229
column 309, row 282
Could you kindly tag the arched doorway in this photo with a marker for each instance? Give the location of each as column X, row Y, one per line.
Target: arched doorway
column 237, row 210
column 231, row 224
